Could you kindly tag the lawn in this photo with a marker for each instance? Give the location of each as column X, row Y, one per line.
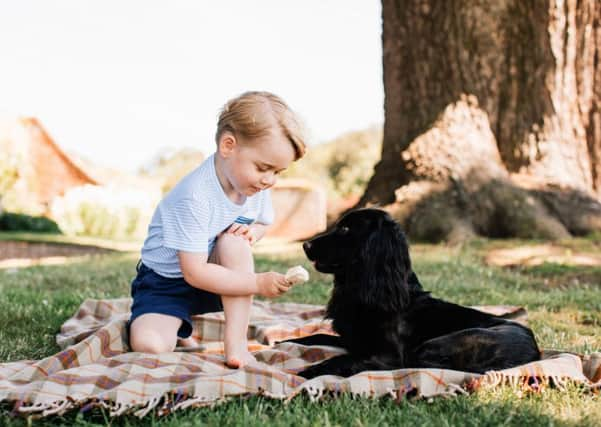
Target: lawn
column 563, row 303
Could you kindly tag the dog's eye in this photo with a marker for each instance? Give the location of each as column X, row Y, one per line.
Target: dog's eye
column 343, row 230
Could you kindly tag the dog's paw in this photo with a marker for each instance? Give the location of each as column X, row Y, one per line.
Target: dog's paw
column 296, row 275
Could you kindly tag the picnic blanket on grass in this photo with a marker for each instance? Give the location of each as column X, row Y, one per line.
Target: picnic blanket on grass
column 96, row 368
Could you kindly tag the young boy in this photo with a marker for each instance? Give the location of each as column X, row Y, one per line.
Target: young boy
column 197, row 256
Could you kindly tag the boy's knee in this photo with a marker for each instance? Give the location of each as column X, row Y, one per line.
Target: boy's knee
column 151, row 342
column 230, row 243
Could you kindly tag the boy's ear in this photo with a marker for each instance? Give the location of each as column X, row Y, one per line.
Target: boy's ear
column 227, row 144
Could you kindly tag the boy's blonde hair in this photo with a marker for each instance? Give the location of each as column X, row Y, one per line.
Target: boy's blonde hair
column 254, row 114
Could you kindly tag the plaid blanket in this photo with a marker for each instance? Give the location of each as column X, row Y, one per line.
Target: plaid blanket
column 95, row 367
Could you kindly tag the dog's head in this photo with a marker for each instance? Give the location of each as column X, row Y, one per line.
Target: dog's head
column 368, row 253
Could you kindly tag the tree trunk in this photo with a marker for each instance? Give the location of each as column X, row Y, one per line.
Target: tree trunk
column 493, row 113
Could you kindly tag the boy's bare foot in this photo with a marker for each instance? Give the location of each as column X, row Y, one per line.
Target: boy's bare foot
column 240, row 360
column 187, row 342
column 237, row 355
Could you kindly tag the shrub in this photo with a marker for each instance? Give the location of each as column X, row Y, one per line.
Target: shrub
column 20, row 222
column 344, row 165
column 109, row 212
column 8, row 173
column 171, row 167
column 14, row 193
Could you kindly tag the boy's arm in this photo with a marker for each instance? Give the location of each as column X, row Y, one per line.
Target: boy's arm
column 215, row 278
column 223, row 281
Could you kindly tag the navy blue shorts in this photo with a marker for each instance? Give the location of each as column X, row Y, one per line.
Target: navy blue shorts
column 153, row 293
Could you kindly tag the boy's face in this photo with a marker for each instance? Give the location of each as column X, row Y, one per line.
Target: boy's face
column 253, row 166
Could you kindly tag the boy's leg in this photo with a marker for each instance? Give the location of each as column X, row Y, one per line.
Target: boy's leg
column 234, row 252
column 154, row 333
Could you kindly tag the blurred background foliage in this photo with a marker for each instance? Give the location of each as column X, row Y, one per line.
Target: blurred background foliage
column 342, row 167
column 10, row 221
column 110, row 212
column 8, row 174
column 171, row 166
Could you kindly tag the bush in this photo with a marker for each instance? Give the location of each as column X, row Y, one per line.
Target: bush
column 14, row 193
column 171, row 167
column 108, row 212
column 344, row 165
column 8, row 174
column 19, row 222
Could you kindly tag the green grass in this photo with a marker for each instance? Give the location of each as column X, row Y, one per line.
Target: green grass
column 564, row 306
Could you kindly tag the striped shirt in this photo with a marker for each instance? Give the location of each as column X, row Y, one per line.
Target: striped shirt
column 192, row 214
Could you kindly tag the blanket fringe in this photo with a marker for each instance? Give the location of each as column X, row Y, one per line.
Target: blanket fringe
column 170, row 403
column 454, row 389
column 44, row 409
column 316, row 390
column 192, row 402
column 148, row 407
column 522, row 383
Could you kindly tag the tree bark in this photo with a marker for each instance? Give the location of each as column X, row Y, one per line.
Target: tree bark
column 489, row 103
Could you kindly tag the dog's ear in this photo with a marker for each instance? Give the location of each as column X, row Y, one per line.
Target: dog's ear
column 384, row 268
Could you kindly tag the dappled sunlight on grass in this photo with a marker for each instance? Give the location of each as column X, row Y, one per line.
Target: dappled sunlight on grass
column 539, row 254
column 567, row 328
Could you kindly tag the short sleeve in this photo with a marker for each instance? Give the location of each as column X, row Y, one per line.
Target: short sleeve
column 185, row 226
column 266, row 214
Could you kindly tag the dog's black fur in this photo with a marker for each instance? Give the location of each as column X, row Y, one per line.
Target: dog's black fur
column 386, row 321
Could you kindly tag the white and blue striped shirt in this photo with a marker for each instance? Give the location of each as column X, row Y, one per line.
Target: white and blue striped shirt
column 191, row 216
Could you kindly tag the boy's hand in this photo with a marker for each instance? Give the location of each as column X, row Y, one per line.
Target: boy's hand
column 272, row 284
column 243, row 231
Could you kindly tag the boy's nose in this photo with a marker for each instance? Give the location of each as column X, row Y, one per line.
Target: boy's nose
column 268, row 180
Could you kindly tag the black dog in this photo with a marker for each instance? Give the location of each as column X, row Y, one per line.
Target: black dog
column 386, row 321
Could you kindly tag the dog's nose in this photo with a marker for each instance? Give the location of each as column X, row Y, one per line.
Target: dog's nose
column 307, row 246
